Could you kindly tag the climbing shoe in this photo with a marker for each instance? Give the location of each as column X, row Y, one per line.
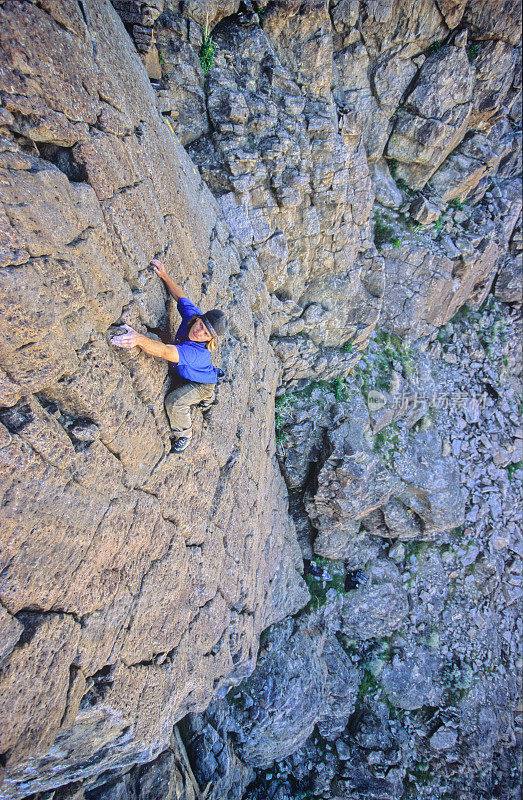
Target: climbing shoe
column 180, row 444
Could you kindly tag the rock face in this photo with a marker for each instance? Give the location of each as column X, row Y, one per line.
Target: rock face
column 340, row 178
column 134, row 583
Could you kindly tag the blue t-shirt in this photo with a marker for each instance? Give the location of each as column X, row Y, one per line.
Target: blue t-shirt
column 195, row 360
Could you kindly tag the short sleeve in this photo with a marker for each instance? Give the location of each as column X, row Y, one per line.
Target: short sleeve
column 187, row 355
column 186, row 308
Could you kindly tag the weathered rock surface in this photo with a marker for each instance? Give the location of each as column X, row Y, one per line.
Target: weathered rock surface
column 291, row 696
column 131, row 580
column 364, row 161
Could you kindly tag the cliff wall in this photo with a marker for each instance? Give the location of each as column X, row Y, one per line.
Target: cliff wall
column 133, row 582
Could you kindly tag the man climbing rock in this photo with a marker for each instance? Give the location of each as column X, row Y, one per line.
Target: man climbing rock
column 194, row 375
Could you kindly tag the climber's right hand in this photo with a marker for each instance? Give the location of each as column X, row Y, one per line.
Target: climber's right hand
column 128, row 339
column 159, row 268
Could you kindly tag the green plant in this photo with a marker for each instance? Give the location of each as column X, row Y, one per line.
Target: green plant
column 250, row 143
column 394, row 712
column 435, row 47
column 438, row 225
column 396, row 242
column 161, row 59
column 387, row 442
column 394, row 349
column 348, row 347
column 472, row 51
column 369, row 685
column 415, row 548
column 464, row 313
column 281, row 436
column 261, row 14
column 207, row 51
column 419, row 773
column 318, row 588
column 339, row 389
column 456, row 677
column 493, row 336
column 382, row 232
column 513, row 468
column 282, row 406
column 404, row 187
column 457, row 204
column 393, row 166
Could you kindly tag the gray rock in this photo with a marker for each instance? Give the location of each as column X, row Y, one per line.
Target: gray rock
column 385, row 187
column 378, row 606
column 412, row 681
column 423, row 211
column 432, row 487
column 440, row 106
column 509, row 283
column 11, row 630
column 288, row 689
column 443, row 739
column 462, row 171
column 343, row 680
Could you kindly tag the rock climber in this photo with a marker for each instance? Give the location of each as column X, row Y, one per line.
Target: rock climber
column 194, row 375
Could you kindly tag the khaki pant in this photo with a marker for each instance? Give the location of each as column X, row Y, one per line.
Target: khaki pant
column 178, row 405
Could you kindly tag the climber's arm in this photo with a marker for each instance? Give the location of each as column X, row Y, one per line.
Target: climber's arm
column 172, row 287
column 132, row 338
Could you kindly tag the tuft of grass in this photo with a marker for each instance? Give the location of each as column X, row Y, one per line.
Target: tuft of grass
column 369, row 685
column 457, row 204
column 284, row 404
column 462, row 314
column 387, row 442
column 261, row 14
column 403, row 186
column 456, row 677
column 438, row 225
column 394, row 349
column 318, row 588
column 207, row 51
column 420, row 773
column 415, row 547
column 339, row 388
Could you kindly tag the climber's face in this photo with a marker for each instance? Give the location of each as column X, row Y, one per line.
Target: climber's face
column 199, row 332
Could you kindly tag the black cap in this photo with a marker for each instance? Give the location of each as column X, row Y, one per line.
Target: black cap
column 214, row 320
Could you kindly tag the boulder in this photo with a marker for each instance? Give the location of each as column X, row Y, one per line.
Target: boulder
column 287, row 697
column 505, row 23
column 378, row 606
column 413, row 680
column 439, row 109
column 385, row 187
column 424, row 211
column 462, row 171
